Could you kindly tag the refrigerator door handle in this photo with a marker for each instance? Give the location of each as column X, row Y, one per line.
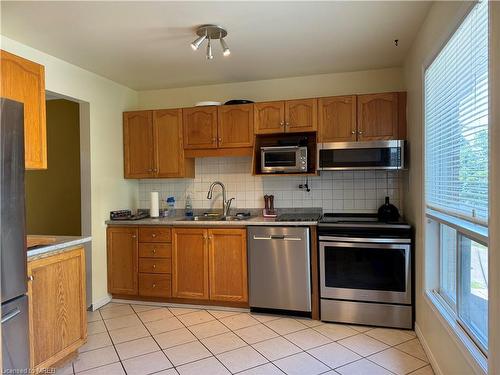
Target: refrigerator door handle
column 10, row 315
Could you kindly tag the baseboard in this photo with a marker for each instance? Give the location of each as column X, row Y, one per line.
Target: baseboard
column 100, row 303
column 427, row 350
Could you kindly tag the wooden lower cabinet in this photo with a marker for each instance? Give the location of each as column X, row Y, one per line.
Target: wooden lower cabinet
column 210, row 264
column 228, row 265
column 122, row 260
column 190, row 263
column 57, row 307
column 172, row 264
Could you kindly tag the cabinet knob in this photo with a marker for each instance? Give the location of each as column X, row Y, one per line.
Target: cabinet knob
column 282, row 123
column 353, row 132
column 360, row 132
column 154, row 285
column 153, row 235
column 150, row 170
column 155, row 170
column 30, row 278
column 220, row 140
column 154, row 251
column 154, row 266
column 134, row 236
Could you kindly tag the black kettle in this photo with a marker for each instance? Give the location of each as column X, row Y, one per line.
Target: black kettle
column 388, row 212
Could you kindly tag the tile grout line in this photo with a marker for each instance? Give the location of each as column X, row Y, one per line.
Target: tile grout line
column 251, row 345
column 113, row 342
column 156, row 342
column 213, row 355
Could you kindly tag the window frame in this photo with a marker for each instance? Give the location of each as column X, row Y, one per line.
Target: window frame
column 472, row 228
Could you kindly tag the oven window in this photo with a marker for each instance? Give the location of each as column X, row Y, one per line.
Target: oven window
column 362, row 157
column 280, row 159
column 365, row 268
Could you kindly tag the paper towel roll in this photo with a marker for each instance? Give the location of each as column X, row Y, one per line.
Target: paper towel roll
column 154, row 210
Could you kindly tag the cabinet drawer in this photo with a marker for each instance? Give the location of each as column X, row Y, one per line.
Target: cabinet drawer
column 155, row 285
column 154, row 250
column 155, row 234
column 152, row 265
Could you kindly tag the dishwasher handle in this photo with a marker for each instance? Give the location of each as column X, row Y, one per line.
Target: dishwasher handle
column 277, row 237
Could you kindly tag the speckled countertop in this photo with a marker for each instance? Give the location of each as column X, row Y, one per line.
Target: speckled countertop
column 256, row 219
column 61, row 244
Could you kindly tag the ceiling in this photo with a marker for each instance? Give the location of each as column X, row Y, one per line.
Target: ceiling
column 145, row 45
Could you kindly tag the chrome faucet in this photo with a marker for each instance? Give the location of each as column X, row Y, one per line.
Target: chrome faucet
column 226, row 205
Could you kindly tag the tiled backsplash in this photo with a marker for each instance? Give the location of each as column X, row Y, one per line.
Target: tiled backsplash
column 361, row 191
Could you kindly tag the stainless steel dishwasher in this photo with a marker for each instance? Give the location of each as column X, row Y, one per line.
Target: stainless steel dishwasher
column 279, row 267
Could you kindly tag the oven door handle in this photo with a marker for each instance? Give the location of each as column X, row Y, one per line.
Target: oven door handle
column 365, row 240
column 333, row 244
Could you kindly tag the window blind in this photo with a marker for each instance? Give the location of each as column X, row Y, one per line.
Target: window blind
column 456, row 122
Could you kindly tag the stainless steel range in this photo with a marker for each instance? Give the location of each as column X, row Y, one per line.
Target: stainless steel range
column 365, row 270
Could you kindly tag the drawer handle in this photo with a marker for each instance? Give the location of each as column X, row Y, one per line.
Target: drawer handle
column 10, row 315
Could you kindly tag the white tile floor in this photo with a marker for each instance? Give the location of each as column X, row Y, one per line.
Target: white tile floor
column 138, row 339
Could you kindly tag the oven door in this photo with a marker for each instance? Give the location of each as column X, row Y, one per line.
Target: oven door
column 365, row 271
column 361, row 155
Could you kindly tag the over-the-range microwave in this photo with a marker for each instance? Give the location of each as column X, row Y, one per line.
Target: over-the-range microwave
column 338, row 156
column 283, row 159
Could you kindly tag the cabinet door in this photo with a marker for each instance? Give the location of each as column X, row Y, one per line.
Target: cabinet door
column 24, row 81
column 301, row 115
column 337, row 119
column 378, row 116
column 228, row 265
column 235, row 125
column 57, row 307
column 138, row 144
column 190, row 263
column 269, row 117
column 169, row 151
column 200, row 127
column 122, row 260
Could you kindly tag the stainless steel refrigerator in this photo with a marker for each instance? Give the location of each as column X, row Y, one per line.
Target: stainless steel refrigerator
column 15, row 344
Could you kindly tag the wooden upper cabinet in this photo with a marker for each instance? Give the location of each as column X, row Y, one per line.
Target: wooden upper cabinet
column 24, row 81
column 337, row 119
column 228, row 265
column 200, row 127
column 269, row 117
column 169, row 149
column 138, row 144
column 378, row 116
column 301, row 115
column 235, row 125
column 57, row 307
column 122, row 260
column 190, row 263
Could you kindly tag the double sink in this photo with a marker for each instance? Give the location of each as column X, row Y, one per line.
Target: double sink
column 215, row 216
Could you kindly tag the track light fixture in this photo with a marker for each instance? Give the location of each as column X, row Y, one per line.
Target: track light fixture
column 209, row 33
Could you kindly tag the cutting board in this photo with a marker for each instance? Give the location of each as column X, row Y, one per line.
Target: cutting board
column 33, row 241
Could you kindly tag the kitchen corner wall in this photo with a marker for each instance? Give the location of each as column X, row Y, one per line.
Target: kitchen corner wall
column 362, row 191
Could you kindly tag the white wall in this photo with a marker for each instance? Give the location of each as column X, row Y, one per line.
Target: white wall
column 363, row 82
column 106, row 100
column 441, row 22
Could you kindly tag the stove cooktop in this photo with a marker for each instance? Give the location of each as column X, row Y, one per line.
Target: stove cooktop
column 301, row 216
column 358, row 219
